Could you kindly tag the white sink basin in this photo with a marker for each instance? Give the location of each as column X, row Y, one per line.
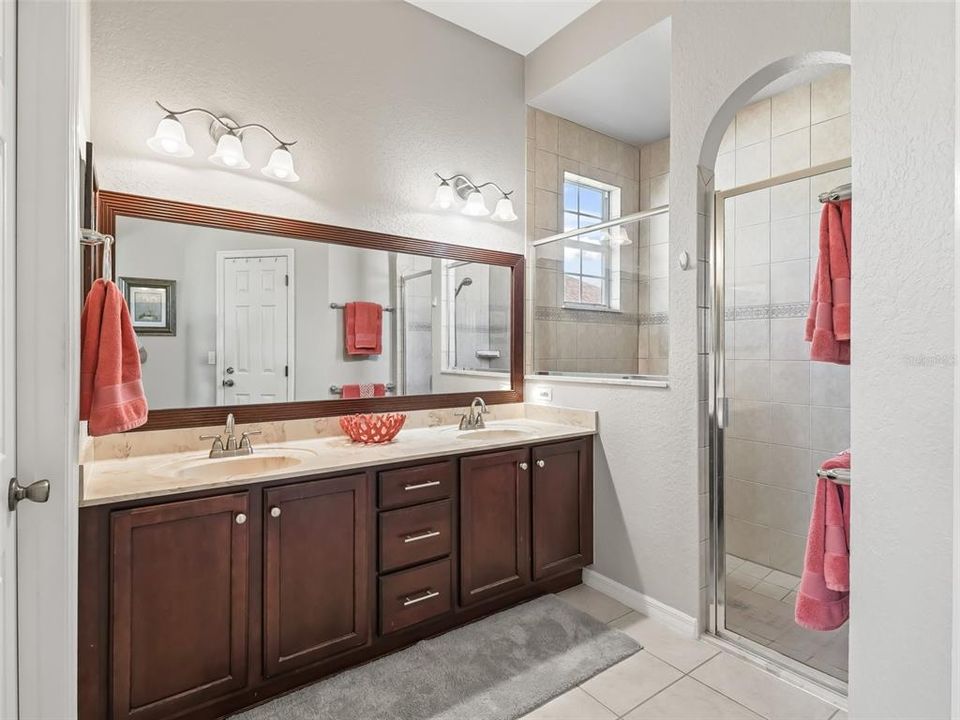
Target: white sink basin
column 259, row 463
column 494, row 433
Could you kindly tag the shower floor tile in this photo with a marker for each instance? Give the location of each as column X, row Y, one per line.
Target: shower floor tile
column 760, row 603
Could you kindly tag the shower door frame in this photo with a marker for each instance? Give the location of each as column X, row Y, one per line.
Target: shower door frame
column 719, row 417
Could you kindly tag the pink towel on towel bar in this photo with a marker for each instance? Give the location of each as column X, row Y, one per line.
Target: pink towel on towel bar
column 363, row 322
column 828, row 322
column 823, row 599
column 363, row 390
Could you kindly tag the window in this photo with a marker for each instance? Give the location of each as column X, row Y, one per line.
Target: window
column 589, row 259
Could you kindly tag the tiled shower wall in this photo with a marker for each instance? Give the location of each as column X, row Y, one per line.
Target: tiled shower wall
column 787, row 414
column 633, row 340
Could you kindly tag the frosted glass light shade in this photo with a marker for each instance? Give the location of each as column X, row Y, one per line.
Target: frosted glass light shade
column 618, row 236
column 475, row 206
column 504, row 211
column 229, row 153
column 170, row 139
column 444, row 198
column 280, row 166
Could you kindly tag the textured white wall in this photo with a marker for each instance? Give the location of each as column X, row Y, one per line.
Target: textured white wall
column 379, row 94
column 902, row 372
column 649, row 523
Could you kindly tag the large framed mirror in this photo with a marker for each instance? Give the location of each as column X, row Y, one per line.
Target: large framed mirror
column 274, row 319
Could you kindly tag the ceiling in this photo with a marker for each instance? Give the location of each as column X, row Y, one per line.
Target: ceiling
column 519, row 25
column 624, row 94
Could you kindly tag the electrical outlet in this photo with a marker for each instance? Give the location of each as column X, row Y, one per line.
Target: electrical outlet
column 543, row 393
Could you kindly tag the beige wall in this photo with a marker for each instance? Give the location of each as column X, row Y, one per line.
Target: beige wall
column 787, row 414
column 633, row 340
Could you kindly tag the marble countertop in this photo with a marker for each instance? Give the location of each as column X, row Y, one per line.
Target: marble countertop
column 145, row 476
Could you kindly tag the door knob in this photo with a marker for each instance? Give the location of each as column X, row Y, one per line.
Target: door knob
column 38, row 492
column 274, row 512
column 241, row 518
column 228, row 382
column 229, row 371
column 523, row 466
column 540, row 463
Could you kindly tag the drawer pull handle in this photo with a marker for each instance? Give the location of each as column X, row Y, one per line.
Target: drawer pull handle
column 240, row 518
column 417, row 537
column 275, row 512
column 523, row 466
column 428, row 595
column 540, row 463
column 421, row 486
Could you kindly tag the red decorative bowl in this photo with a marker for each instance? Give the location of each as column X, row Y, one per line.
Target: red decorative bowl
column 372, row 428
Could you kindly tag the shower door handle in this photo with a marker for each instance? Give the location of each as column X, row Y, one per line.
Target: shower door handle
column 723, row 412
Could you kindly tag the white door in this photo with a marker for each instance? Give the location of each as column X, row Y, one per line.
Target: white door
column 255, row 327
column 8, row 416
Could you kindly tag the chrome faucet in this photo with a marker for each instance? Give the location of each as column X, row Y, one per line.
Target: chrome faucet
column 474, row 419
column 230, row 448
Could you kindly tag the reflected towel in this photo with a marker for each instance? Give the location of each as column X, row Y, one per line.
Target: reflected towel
column 363, row 390
column 828, row 322
column 363, row 322
column 823, row 599
column 111, row 393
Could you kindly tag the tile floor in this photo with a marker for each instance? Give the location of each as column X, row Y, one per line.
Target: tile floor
column 675, row 678
column 760, row 604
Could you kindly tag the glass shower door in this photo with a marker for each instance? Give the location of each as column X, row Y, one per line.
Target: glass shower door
column 783, row 415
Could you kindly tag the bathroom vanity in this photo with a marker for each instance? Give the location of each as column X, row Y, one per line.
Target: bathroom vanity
column 204, row 592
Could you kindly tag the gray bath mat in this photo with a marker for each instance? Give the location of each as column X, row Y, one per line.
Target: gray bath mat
column 499, row 668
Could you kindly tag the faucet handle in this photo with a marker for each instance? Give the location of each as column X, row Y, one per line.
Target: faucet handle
column 245, row 438
column 217, row 443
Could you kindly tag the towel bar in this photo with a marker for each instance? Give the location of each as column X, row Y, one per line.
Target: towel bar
column 341, row 306
column 840, row 476
column 338, row 389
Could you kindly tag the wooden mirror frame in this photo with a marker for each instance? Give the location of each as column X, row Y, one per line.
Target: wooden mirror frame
column 110, row 205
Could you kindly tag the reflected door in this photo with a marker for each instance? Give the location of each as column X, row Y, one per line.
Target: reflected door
column 255, row 323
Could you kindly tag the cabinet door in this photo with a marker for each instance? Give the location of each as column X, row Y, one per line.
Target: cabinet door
column 180, row 576
column 317, row 571
column 494, row 524
column 562, row 507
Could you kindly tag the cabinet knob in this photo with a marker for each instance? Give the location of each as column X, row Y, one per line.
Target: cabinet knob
column 241, row 518
column 523, row 466
column 274, row 512
column 540, row 463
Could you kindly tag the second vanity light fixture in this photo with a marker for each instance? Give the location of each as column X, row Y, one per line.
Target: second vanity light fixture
column 469, row 191
column 171, row 139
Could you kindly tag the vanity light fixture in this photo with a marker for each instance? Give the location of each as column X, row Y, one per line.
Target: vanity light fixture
column 475, row 205
column 170, row 139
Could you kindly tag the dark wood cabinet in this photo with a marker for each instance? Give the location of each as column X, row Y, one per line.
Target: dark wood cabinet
column 179, row 592
column 317, row 571
column 198, row 606
column 562, row 507
column 494, row 524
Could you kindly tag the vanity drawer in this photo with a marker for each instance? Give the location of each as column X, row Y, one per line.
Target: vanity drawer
column 415, row 595
column 415, row 534
column 412, row 485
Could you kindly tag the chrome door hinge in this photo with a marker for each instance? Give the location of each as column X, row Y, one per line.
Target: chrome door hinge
column 723, row 412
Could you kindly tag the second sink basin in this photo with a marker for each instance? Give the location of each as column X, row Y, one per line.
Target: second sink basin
column 494, row 432
column 260, row 462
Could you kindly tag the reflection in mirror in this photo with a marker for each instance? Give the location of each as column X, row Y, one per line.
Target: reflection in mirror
column 225, row 317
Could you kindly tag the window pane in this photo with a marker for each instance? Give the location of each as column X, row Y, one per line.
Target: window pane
column 592, row 291
column 594, row 238
column 592, row 263
column 571, row 288
column 570, row 221
column 587, row 220
column 570, row 196
column 591, row 201
column 571, row 260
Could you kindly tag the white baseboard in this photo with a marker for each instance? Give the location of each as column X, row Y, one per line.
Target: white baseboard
column 643, row 604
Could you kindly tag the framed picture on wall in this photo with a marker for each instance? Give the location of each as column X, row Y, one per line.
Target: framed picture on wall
column 152, row 303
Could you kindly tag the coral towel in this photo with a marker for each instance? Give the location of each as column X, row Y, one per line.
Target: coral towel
column 828, row 322
column 363, row 322
column 111, row 394
column 363, row 390
column 823, row 601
